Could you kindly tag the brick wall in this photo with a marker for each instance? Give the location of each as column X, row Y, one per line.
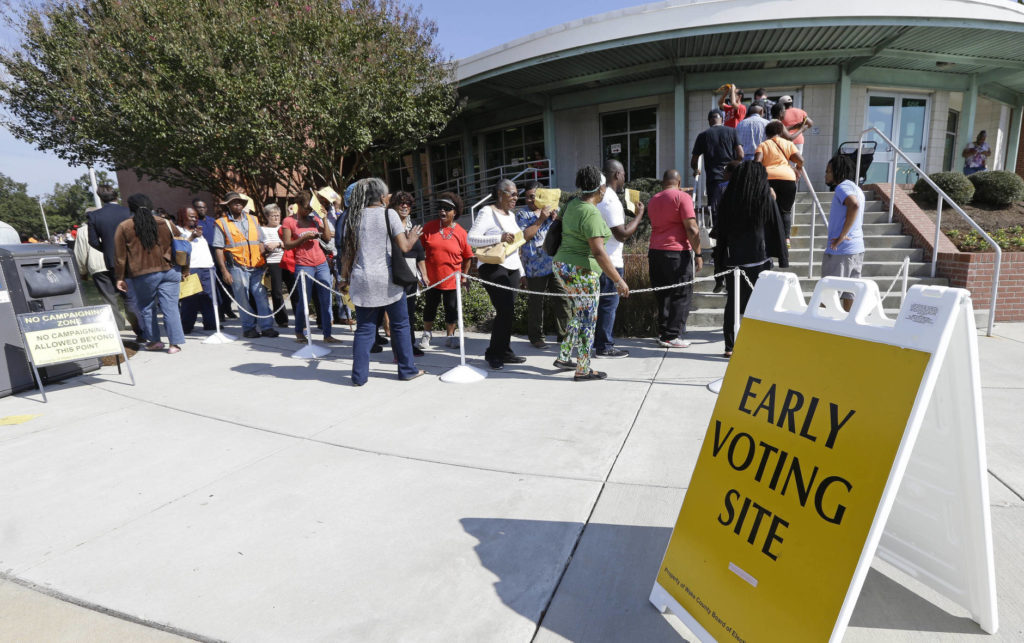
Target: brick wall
column 970, row 270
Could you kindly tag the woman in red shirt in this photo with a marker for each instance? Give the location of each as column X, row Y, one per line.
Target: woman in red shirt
column 447, row 249
column 301, row 235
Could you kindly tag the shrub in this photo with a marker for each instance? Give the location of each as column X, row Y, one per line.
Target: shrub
column 476, row 310
column 954, row 184
column 1011, row 239
column 997, row 187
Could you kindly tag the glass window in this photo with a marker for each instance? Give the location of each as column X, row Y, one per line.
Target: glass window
column 912, row 123
column 880, row 114
column 949, row 150
column 631, row 138
column 445, row 164
column 515, row 145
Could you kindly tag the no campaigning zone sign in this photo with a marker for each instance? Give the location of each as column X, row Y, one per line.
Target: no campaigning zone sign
column 57, row 336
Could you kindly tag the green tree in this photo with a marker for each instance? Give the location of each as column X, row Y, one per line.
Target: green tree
column 211, row 95
column 18, row 209
column 66, row 205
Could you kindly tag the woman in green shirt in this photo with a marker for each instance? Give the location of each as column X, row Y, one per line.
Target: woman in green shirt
column 579, row 262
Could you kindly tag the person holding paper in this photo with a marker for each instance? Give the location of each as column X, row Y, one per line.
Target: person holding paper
column 535, row 221
column 612, row 213
column 497, row 224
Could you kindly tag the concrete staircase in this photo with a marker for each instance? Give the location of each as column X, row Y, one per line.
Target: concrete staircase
column 886, row 248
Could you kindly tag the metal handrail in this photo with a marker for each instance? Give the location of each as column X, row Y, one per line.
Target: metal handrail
column 938, row 218
column 700, row 185
column 472, row 210
column 816, row 208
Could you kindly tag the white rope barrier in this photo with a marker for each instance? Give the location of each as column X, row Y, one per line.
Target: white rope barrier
column 604, row 294
column 286, row 299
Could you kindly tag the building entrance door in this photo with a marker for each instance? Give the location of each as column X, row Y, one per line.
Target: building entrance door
column 904, row 119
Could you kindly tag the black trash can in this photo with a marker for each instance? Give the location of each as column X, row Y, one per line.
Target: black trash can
column 35, row 277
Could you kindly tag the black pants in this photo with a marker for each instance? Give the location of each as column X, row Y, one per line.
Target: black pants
column 716, row 190
column 669, row 267
column 108, row 291
column 785, row 196
column 276, row 294
column 433, row 298
column 753, row 273
column 504, row 308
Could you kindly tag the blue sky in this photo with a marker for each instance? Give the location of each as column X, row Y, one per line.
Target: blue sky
column 465, row 27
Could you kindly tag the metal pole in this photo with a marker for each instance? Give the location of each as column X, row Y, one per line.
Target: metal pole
column 938, row 231
column 458, row 304
column 810, row 252
column 892, row 193
column 45, row 224
column 95, row 195
column 995, row 290
column 305, row 310
column 736, row 304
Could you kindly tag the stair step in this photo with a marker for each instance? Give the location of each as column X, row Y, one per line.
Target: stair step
column 804, row 217
column 807, row 284
column 871, row 255
column 870, row 241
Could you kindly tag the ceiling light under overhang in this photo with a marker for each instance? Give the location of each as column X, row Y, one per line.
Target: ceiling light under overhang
column 942, row 64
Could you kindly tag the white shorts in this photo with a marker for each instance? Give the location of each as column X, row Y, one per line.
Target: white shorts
column 849, row 266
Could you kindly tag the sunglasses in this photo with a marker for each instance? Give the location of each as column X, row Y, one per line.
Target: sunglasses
column 447, row 208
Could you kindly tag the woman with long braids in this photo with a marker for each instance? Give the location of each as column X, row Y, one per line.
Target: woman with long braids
column 366, row 275
column 749, row 230
column 144, row 263
column 497, row 223
column 578, row 264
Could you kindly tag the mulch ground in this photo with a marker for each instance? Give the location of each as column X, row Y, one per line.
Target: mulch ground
column 990, row 218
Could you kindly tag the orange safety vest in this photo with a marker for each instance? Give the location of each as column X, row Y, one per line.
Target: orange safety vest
column 244, row 250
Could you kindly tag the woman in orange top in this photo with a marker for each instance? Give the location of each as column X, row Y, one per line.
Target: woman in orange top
column 775, row 154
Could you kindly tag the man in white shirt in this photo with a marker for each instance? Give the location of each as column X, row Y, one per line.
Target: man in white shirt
column 615, row 217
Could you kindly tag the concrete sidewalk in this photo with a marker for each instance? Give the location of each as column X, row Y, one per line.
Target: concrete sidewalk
column 237, row 494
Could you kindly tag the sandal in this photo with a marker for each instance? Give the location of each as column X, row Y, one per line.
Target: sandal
column 590, row 375
column 173, row 349
column 155, row 346
column 409, row 379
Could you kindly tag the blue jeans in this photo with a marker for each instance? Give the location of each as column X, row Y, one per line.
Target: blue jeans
column 246, row 282
column 322, row 274
column 159, row 288
column 366, row 335
column 606, row 307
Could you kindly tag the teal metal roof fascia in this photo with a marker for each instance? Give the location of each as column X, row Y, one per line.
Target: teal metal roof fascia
column 916, row 21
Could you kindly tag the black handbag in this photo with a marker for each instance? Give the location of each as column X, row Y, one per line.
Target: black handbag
column 401, row 274
column 553, row 238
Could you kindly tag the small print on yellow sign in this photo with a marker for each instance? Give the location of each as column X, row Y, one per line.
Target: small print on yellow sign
column 788, row 481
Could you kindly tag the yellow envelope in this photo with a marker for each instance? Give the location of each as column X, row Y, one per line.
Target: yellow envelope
column 632, row 198
column 547, row 197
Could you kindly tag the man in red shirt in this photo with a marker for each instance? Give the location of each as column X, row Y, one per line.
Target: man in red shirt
column 731, row 104
column 675, row 238
column 796, row 122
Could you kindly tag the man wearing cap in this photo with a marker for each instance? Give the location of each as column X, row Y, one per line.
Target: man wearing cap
column 719, row 146
column 796, row 122
column 239, row 250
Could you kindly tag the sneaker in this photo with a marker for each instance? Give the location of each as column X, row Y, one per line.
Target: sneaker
column 382, row 341
column 674, row 343
column 565, row 365
column 425, row 338
column 539, row 343
column 376, row 348
column 719, row 288
column 611, row 353
column 590, row 375
column 513, row 359
column 331, row 340
column 251, row 334
column 270, row 332
column 451, row 341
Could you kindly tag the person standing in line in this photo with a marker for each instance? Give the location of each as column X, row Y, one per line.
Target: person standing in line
column 614, row 216
column 540, row 277
column 402, row 202
column 103, row 224
column 200, row 261
column 143, row 256
column 775, row 154
column 239, row 251
column 275, row 253
column 339, row 241
column 367, row 276
column 497, row 224
column 580, row 259
column 675, row 241
column 844, row 254
column 750, row 132
column 719, row 146
column 209, row 226
column 796, row 121
column 750, row 230
column 90, row 261
column 302, row 235
column 731, row 104
column 761, row 96
column 976, row 155
column 447, row 251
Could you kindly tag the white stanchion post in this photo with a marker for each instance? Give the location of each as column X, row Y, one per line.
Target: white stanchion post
column 906, row 277
column 463, row 373
column 217, row 337
column 310, row 350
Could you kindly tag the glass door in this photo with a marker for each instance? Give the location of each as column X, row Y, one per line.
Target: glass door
column 903, row 118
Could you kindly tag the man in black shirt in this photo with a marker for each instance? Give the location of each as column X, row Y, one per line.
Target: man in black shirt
column 719, row 146
column 102, row 226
